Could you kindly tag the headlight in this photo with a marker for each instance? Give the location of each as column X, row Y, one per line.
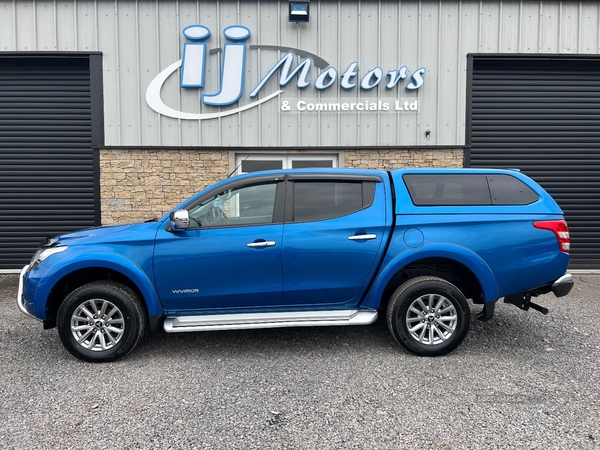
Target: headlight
column 44, row 253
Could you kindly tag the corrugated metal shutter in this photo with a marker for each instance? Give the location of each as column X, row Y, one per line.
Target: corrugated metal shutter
column 543, row 117
column 46, row 159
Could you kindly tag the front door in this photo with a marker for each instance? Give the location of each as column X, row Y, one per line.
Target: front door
column 230, row 257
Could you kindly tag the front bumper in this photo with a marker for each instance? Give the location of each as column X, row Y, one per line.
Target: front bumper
column 563, row 285
column 20, row 298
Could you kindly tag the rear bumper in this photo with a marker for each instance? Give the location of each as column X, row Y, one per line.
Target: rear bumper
column 560, row 288
column 563, row 285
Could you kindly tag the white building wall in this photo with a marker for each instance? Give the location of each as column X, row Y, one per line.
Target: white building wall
column 139, row 39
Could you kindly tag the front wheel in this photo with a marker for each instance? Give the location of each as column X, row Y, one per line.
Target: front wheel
column 428, row 316
column 101, row 321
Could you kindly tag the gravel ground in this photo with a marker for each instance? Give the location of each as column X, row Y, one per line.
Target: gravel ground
column 523, row 380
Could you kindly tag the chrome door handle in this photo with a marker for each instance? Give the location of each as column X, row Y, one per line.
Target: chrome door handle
column 362, row 237
column 261, row 244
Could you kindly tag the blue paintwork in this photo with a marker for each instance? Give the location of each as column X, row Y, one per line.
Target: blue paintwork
column 218, row 264
column 399, row 255
column 127, row 249
column 312, row 265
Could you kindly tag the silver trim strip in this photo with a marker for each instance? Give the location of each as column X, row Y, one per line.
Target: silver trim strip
column 362, row 237
column 269, row 320
column 20, row 299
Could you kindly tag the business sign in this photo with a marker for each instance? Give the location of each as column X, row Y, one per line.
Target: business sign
column 192, row 68
column 364, row 105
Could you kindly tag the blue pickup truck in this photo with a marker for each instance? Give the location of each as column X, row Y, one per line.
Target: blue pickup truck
column 316, row 247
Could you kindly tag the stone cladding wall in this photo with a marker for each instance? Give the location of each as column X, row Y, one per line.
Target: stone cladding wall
column 391, row 159
column 137, row 185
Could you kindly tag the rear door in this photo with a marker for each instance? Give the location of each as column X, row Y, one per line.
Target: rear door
column 333, row 236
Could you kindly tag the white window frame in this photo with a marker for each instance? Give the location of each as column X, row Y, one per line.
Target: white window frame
column 285, row 157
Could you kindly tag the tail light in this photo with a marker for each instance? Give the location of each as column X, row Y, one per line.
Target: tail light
column 560, row 229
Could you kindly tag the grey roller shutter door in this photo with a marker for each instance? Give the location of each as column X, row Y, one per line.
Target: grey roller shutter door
column 46, row 159
column 542, row 116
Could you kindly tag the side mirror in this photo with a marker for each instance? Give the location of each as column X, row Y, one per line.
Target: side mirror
column 180, row 220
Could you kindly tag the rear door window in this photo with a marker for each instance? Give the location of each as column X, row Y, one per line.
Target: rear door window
column 318, row 200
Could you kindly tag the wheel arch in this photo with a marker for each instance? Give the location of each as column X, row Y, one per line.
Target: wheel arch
column 457, row 265
column 82, row 270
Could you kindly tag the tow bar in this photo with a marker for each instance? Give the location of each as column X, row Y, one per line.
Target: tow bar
column 524, row 302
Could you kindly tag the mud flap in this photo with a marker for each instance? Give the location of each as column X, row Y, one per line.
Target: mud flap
column 487, row 312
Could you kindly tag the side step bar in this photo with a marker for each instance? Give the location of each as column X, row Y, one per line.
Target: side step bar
column 268, row 320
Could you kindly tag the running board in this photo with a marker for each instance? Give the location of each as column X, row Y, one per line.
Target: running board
column 269, row 320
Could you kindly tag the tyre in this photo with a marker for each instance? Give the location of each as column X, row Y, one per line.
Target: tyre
column 101, row 321
column 428, row 316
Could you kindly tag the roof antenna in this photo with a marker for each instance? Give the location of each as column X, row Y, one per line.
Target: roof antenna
column 235, row 170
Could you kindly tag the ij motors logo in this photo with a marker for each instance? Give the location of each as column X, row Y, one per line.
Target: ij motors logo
column 194, row 61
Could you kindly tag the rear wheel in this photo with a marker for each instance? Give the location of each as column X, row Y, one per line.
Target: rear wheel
column 428, row 316
column 101, row 321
